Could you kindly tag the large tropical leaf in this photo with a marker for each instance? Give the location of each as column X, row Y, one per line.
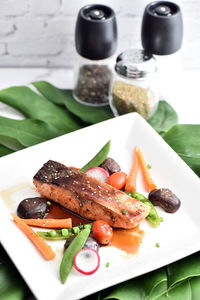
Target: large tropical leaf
column 5, row 150
column 185, row 141
column 163, row 118
column 183, row 269
column 146, row 287
column 12, row 286
column 87, row 113
column 27, row 132
column 35, row 106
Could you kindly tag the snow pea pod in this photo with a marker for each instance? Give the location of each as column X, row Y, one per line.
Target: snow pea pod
column 57, row 237
column 68, row 257
column 98, row 158
column 153, row 217
column 64, row 233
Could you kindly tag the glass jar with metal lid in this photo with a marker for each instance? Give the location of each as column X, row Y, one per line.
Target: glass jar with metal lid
column 134, row 85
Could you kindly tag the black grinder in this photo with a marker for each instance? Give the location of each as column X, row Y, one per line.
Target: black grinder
column 96, row 43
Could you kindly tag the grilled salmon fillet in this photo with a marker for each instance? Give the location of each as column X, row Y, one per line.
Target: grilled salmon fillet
column 88, row 197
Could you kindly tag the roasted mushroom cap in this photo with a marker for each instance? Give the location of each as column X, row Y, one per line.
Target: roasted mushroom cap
column 33, row 208
column 110, row 165
column 90, row 243
column 68, row 241
column 165, row 199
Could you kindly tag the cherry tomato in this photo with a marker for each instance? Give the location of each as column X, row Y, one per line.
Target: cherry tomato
column 117, row 180
column 102, row 232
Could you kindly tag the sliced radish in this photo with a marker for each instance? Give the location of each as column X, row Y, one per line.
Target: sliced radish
column 87, row 261
column 98, row 173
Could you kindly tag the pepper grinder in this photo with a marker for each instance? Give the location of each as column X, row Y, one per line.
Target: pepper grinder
column 162, row 34
column 96, row 43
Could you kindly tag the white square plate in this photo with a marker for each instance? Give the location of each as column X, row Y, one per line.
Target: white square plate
column 178, row 235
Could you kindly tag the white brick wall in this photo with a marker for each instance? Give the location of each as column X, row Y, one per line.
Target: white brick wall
column 13, row 7
column 41, row 32
column 44, row 7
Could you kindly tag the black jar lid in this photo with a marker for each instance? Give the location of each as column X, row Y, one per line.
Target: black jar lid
column 96, row 32
column 162, row 28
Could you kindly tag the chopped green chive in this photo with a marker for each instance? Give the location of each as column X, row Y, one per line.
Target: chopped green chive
column 161, row 219
column 52, row 233
column 149, row 166
column 157, row 245
column 107, row 264
column 124, row 212
column 64, row 232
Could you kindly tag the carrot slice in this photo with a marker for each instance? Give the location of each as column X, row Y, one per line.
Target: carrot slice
column 40, row 244
column 148, row 181
column 49, row 223
column 132, row 177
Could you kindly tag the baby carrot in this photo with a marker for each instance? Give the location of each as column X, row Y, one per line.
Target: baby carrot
column 40, row 244
column 148, row 181
column 49, row 223
column 132, row 177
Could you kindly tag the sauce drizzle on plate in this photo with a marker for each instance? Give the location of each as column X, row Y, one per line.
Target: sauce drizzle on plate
column 127, row 240
column 58, row 212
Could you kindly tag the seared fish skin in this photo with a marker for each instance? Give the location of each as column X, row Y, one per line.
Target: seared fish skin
column 88, row 197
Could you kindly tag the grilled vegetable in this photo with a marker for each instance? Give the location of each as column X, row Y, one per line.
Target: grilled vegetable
column 33, row 208
column 110, row 165
column 165, row 199
column 91, row 243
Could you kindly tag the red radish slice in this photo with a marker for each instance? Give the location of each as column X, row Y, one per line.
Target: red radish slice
column 98, row 173
column 87, row 261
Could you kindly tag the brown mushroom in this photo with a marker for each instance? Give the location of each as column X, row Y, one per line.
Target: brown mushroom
column 33, row 208
column 90, row 243
column 165, row 199
column 110, row 165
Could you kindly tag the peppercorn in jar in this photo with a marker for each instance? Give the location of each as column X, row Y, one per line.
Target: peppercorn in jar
column 96, row 42
column 93, row 83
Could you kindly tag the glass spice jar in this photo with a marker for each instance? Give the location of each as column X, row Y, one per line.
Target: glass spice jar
column 133, row 88
column 92, row 81
column 96, row 43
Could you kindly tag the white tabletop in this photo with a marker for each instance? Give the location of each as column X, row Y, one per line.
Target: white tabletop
column 185, row 98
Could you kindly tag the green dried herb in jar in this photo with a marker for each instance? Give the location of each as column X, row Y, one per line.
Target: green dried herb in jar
column 133, row 89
